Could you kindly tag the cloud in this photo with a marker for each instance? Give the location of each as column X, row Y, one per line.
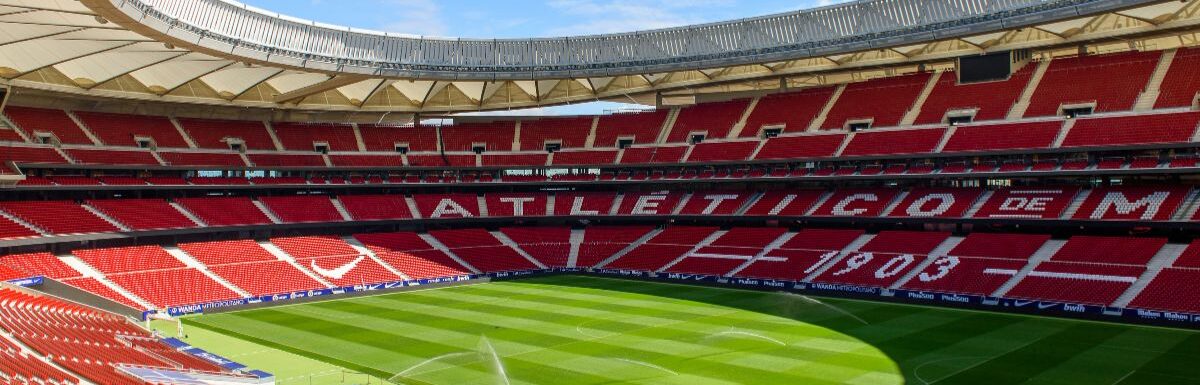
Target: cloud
column 612, row 16
column 417, row 17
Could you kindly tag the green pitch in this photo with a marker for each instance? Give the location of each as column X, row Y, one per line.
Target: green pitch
column 584, row 330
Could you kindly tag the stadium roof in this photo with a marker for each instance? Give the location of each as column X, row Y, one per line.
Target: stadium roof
column 219, row 52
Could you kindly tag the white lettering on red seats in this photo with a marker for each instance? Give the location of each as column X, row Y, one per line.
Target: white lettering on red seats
column 448, row 206
column 715, row 201
column 854, row 262
column 824, row 259
column 518, row 204
column 783, row 204
column 1116, row 200
column 840, row 208
column 648, row 204
column 894, row 266
column 916, row 209
column 577, row 208
column 943, row 265
column 1029, row 204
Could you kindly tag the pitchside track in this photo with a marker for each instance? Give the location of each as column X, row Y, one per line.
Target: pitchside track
column 584, row 330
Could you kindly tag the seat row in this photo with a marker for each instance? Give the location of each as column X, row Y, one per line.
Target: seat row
column 27, row 219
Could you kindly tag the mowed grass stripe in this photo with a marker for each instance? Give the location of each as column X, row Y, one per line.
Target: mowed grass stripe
column 674, row 342
column 535, row 324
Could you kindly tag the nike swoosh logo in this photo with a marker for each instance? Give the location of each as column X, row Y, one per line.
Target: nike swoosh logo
column 339, row 272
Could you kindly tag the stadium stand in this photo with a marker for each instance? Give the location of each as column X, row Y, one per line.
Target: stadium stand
column 124, row 130
column 713, row 120
column 1111, row 82
column 988, row 100
column 220, row 133
column 638, row 127
column 883, row 101
column 790, row 111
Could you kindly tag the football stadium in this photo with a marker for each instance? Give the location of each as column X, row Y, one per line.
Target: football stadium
column 867, row 192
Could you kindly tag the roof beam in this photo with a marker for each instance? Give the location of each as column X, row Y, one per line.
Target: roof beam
column 306, row 91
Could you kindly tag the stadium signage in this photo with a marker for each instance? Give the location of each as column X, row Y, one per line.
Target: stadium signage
column 27, row 282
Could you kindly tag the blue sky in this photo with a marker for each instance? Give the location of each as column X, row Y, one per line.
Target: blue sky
column 526, row 18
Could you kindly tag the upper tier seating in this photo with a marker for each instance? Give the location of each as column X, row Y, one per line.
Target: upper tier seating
column 712, row 119
column 57, row 122
column 128, row 259
column 597, row 157
column 58, row 217
column 1131, row 130
column 302, row 208
column 644, row 155
column 9, row 134
column 25, row 155
column 1111, row 81
column 1003, row 136
column 143, row 214
column 495, row 136
column 225, row 211
column 722, row 151
column 129, row 157
column 792, row 111
column 286, row 160
column 872, row 142
column 202, row 159
column 1132, row 203
column 804, row 146
column 1181, row 82
column 342, row 160
column 514, row 159
column 569, row 132
column 641, row 127
column 216, row 133
column 376, row 207
column 122, row 130
column 386, row 138
column 301, row 137
column 882, row 101
column 991, row 100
